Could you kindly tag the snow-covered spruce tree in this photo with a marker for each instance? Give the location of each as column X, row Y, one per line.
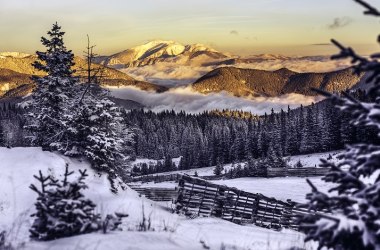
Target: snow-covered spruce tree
column 62, row 210
column 53, row 93
column 352, row 220
column 218, row 169
column 298, row 164
column 97, row 130
column 97, row 133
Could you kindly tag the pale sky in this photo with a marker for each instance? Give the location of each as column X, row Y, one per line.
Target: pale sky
column 290, row 27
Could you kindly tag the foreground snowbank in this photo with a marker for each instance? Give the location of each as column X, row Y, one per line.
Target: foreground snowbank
column 18, row 165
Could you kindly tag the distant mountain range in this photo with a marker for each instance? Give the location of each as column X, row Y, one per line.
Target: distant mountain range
column 16, row 70
column 155, row 52
column 161, row 52
column 246, row 82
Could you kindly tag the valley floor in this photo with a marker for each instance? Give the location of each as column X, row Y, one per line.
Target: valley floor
column 307, row 160
column 171, row 231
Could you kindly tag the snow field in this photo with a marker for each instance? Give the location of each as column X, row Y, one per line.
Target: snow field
column 18, row 165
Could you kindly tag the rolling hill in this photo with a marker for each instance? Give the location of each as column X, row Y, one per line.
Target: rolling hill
column 16, row 70
column 253, row 82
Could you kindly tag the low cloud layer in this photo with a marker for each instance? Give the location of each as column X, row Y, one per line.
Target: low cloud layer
column 184, row 98
column 301, row 64
column 172, row 75
column 340, row 22
column 168, row 74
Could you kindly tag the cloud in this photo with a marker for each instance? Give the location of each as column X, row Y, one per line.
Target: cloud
column 174, row 75
column 300, row 64
column 234, row 32
column 168, row 74
column 185, row 98
column 340, row 22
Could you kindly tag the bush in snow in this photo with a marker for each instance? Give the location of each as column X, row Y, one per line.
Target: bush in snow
column 218, row 169
column 352, row 220
column 298, row 164
column 146, row 223
column 62, row 210
column 4, row 244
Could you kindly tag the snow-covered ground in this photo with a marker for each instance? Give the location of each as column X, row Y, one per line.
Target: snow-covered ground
column 294, row 188
column 282, row 188
column 140, row 161
column 18, row 165
column 308, row 160
column 207, row 171
column 312, row 160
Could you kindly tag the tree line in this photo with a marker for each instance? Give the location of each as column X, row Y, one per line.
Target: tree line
column 213, row 138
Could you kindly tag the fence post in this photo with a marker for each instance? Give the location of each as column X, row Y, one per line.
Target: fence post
column 203, row 197
column 255, row 210
column 220, row 202
column 236, row 202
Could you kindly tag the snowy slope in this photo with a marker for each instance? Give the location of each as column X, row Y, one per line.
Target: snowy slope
column 17, row 166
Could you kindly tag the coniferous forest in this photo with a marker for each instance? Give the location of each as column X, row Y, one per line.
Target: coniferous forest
column 221, row 137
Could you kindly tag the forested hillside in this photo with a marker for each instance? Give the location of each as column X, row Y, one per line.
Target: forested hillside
column 246, row 82
column 220, row 136
column 216, row 137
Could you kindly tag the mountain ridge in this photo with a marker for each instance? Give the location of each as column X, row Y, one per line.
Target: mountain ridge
column 254, row 82
column 16, row 71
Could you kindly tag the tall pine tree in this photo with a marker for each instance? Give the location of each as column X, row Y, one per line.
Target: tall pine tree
column 54, row 91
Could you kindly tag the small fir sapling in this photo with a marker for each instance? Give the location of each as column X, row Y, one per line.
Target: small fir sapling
column 63, row 211
column 298, row 165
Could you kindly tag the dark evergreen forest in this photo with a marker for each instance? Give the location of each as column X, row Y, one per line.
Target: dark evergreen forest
column 221, row 137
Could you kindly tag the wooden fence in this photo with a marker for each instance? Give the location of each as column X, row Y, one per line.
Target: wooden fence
column 157, row 194
column 298, row 172
column 197, row 197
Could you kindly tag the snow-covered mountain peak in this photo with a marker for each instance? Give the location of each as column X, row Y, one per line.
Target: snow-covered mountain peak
column 161, row 51
column 13, row 54
column 199, row 47
column 165, row 48
column 152, row 48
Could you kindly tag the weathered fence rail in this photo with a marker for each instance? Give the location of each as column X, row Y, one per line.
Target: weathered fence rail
column 157, row 194
column 297, row 172
column 197, row 197
column 157, row 178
